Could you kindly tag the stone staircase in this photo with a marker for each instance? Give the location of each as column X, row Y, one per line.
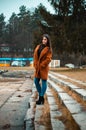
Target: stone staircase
column 76, row 89
column 70, row 97
column 77, row 110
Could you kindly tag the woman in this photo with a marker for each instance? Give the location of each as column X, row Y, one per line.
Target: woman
column 42, row 58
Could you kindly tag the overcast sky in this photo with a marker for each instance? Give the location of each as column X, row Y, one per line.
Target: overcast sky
column 7, row 7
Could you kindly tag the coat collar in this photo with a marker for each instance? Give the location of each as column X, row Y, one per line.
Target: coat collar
column 43, row 52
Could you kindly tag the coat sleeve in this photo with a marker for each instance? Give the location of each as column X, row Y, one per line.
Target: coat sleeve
column 35, row 57
column 34, row 61
column 47, row 59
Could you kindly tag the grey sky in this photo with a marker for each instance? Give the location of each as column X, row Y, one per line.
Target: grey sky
column 9, row 6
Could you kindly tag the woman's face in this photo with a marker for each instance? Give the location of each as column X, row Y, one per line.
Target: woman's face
column 44, row 40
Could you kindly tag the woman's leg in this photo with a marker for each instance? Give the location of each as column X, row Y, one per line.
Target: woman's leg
column 38, row 87
column 41, row 90
column 44, row 87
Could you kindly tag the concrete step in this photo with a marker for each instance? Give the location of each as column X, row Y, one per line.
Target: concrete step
column 75, row 108
column 81, row 92
column 54, row 112
column 38, row 116
column 66, row 77
column 34, row 114
column 30, row 114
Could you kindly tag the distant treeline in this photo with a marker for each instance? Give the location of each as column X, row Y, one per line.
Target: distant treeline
column 67, row 29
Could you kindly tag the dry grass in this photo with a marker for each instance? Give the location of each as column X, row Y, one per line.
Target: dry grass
column 78, row 74
column 16, row 68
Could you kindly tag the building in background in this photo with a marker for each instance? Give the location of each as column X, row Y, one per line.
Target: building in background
column 54, row 63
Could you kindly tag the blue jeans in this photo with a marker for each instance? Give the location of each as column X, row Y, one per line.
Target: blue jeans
column 40, row 88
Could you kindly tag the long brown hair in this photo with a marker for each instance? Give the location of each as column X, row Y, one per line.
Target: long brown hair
column 48, row 40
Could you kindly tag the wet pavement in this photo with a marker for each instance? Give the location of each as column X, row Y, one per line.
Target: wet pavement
column 15, row 91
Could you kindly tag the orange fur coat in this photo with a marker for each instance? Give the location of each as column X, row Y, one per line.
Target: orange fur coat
column 41, row 63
